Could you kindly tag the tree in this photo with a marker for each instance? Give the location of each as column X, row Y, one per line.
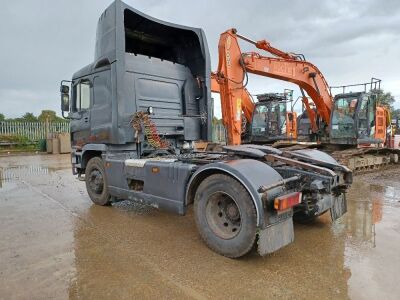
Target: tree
column 396, row 113
column 2, row 117
column 385, row 99
column 216, row 121
column 50, row 116
column 29, row 117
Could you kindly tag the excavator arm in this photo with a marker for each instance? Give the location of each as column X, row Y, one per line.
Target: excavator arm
column 232, row 109
column 229, row 82
column 231, row 78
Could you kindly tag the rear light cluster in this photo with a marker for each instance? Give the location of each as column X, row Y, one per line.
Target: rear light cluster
column 287, row 201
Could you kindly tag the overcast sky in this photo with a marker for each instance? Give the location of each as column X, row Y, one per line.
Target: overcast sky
column 45, row 41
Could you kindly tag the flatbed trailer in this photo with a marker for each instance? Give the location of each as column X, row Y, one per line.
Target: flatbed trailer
column 136, row 113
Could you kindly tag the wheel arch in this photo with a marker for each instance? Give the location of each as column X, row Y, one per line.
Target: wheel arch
column 88, row 155
column 91, row 150
column 251, row 174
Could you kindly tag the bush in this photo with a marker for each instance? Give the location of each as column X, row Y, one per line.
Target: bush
column 17, row 142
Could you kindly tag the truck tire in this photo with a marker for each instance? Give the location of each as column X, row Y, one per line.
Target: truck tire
column 96, row 182
column 225, row 216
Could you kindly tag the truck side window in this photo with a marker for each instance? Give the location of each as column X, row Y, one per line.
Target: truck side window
column 82, row 95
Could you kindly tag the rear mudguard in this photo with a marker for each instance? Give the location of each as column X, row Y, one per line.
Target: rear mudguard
column 317, row 154
column 252, row 174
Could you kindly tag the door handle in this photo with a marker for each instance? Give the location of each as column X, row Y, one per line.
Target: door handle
column 86, row 119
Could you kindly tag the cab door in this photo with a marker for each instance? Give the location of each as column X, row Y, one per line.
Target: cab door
column 101, row 109
column 363, row 128
column 366, row 126
column 82, row 95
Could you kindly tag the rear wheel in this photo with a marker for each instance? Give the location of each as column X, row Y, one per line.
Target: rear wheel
column 96, row 183
column 225, row 216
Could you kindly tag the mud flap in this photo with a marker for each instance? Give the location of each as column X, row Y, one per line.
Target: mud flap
column 275, row 237
column 339, row 207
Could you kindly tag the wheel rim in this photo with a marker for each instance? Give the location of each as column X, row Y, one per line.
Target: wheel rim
column 96, row 182
column 223, row 215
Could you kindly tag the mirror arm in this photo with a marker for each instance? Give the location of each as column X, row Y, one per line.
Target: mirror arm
column 65, row 117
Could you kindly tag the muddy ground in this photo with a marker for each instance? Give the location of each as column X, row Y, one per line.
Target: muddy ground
column 55, row 244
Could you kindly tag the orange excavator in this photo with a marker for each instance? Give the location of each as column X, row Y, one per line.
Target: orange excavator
column 331, row 115
column 348, row 120
column 231, row 78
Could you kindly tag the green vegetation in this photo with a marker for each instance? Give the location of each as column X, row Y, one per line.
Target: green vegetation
column 396, row 113
column 45, row 116
column 20, row 143
column 29, row 117
column 49, row 116
column 385, row 98
column 216, row 121
column 17, row 143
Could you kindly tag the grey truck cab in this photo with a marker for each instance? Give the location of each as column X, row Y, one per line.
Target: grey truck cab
column 135, row 114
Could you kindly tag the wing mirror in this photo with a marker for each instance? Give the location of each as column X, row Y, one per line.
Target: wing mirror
column 65, row 102
column 64, row 89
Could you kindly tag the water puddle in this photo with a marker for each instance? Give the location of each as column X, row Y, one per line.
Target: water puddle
column 9, row 175
column 371, row 228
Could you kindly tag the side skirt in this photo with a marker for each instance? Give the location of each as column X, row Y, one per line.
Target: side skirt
column 170, row 205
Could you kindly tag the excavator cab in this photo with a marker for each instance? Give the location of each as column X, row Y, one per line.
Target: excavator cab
column 354, row 119
column 304, row 127
column 271, row 121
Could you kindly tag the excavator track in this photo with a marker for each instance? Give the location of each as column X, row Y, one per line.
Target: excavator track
column 367, row 159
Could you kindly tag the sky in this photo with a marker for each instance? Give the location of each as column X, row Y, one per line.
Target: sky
column 350, row 41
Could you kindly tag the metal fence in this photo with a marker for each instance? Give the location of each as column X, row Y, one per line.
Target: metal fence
column 218, row 133
column 33, row 131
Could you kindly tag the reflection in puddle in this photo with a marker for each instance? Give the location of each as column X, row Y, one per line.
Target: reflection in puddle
column 392, row 195
column 363, row 214
column 370, row 224
column 366, row 208
column 10, row 174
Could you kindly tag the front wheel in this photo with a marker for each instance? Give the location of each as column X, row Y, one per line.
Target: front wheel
column 225, row 216
column 96, row 183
